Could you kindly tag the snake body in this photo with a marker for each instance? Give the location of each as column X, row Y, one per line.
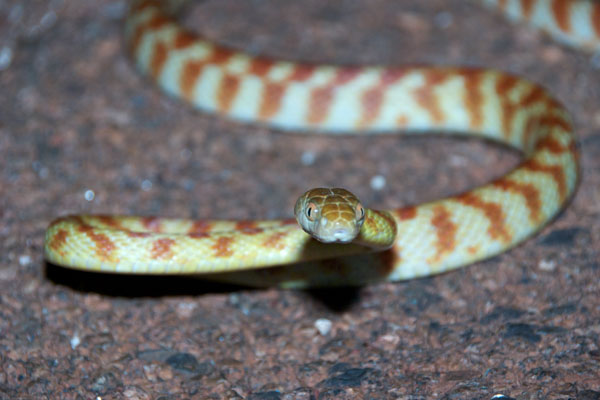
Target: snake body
column 427, row 238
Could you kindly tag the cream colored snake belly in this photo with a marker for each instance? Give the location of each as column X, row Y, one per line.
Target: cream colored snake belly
column 426, row 239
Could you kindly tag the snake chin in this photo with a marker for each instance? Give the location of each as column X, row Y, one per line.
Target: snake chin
column 337, row 235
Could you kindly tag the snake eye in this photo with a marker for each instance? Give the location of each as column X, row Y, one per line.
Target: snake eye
column 311, row 211
column 360, row 211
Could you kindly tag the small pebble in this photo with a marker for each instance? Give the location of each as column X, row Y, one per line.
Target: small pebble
column 308, row 158
column 6, row 56
column 547, row 265
column 24, row 260
column 75, row 341
column 48, row 19
column 89, row 195
column 41, row 170
column 378, row 182
column 323, row 325
column 146, row 185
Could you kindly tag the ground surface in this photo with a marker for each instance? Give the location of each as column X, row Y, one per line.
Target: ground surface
column 80, row 131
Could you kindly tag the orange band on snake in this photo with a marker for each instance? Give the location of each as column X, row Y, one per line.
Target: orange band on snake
column 426, row 239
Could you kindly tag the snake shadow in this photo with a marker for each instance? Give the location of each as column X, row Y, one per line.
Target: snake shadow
column 134, row 285
column 336, row 299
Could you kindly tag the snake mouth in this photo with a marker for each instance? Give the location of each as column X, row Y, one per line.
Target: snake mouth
column 343, row 235
column 337, row 235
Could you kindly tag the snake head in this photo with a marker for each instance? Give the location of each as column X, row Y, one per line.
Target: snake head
column 330, row 215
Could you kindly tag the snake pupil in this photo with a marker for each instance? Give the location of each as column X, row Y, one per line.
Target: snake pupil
column 360, row 211
column 311, row 211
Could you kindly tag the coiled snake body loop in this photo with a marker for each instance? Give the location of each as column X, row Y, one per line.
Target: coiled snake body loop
column 420, row 240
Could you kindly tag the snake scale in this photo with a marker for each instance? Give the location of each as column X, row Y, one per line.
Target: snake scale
column 415, row 240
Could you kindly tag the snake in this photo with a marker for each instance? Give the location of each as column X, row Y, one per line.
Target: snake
column 334, row 239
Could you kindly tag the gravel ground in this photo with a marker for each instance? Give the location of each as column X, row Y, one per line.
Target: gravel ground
column 81, row 131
